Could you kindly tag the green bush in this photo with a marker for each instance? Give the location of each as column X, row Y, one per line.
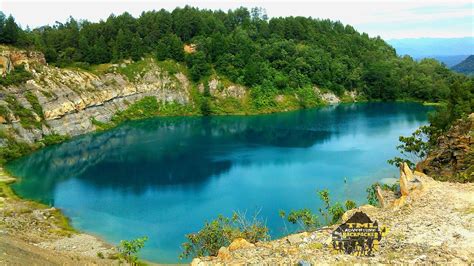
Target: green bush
column 263, row 97
column 144, row 108
column 128, row 249
column 13, row 149
column 303, row 217
column 221, row 232
column 307, row 97
column 101, row 125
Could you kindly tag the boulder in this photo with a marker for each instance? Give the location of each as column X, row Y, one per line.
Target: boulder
column 296, row 238
column 224, row 253
column 407, row 171
column 380, row 197
column 240, row 243
column 197, row 262
column 403, row 182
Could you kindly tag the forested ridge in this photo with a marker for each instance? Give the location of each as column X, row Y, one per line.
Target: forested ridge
column 244, row 46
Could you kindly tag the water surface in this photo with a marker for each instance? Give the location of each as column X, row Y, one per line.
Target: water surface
column 164, row 177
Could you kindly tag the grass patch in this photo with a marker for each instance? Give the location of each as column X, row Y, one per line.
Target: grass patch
column 134, row 71
column 172, row 67
column 18, row 76
column 54, row 139
column 7, row 192
column 149, row 107
column 101, row 126
column 434, row 104
column 316, row 245
column 33, row 100
column 100, row 69
column 228, row 106
column 146, row 107
column 27, row 119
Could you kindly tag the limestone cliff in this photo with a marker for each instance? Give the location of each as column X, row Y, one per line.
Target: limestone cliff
column 70, row 98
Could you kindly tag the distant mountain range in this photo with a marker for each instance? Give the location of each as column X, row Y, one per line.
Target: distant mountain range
column 466, row 66
column 448, row 60
column 450, row 51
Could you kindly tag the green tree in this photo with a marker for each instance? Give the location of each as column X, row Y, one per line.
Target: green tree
column 10, row 31
column 170, row 47
column 414, row 148
column 199, row 67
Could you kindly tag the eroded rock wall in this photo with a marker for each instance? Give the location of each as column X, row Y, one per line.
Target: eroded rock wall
column 70, row 98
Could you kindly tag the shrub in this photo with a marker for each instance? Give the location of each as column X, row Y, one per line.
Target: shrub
column 143, row 108
column 307, row 97
column 12, row 149
column 221, row 232
column 308, row 221
column 303, row 217
column 128, row 249
column 263, row 97
column 17, row 76
column 372, row 191
column 332, row 213
column 414, row 148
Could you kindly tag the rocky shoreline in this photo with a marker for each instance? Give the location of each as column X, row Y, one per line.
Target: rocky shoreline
column 429, row 222
column 33, row 233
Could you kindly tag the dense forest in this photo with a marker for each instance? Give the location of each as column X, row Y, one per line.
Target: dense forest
column 245, row 47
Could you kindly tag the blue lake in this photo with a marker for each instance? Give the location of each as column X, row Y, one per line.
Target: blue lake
column 164, row 177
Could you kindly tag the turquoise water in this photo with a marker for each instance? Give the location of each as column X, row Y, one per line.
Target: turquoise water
column 164, row 177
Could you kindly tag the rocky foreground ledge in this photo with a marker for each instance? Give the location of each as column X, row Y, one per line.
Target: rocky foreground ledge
column 429, row 222
column 35, row 234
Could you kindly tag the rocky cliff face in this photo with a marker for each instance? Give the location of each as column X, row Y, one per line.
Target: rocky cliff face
column 453, row 155
column 70, row 98
column 10, row 58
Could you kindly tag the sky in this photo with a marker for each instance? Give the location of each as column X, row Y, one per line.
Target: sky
column 389, row 19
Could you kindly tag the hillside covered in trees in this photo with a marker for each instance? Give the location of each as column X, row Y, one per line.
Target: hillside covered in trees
column 245, row 47
column 466, row 66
